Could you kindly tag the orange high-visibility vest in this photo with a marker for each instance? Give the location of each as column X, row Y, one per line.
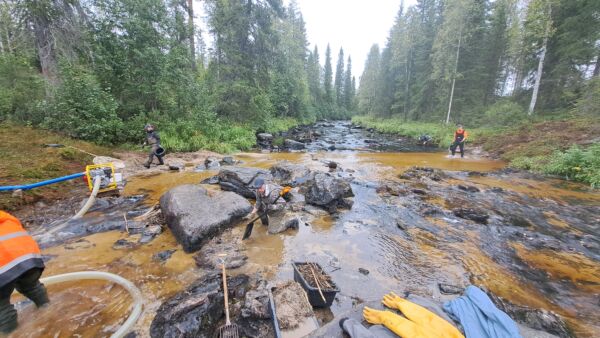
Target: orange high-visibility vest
column 18, row 251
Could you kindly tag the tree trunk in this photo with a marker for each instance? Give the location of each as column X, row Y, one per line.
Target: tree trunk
column 46, row 50
column 454, row 77
column 190, row 11
column 538, row 78
column 407, row 90
column 597, row 67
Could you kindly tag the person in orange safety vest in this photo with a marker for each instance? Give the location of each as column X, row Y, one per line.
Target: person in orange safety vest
column 21, row 266
column 460, row 136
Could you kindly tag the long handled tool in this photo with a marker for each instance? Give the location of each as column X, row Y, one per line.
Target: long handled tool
column 250, row 225
column 317, row 282
column 228, row 330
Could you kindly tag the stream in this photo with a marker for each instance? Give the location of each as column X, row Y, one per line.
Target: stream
column 540, row 247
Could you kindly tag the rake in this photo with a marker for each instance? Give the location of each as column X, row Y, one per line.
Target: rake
column 228, row 330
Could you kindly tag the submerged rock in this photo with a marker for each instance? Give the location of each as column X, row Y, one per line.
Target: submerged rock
column 215, row 253
column 537, row 319
column 197, row 311
column 195, row 216
column 150, row 233
column 468, row 188
column 163, row 256
column 212, row 162
column 240, row 179
column 476, row 215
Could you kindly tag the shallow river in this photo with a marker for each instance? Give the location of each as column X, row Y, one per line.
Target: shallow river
column 564, row 278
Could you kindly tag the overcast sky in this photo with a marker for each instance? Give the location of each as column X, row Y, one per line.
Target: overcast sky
column 354, row 25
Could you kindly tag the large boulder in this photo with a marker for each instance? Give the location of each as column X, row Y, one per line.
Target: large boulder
column 240, row 179
column 198, row 310
column 286, row 173
column 264, row 140
column 194, row 215
column 293, row 145
column 327, row 191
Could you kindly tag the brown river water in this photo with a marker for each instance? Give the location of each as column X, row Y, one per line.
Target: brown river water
column 414, row 260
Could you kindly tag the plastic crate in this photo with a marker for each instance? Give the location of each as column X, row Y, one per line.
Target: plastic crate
column 314, row 297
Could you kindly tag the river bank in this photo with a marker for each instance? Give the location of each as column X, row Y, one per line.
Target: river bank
column 566, row 148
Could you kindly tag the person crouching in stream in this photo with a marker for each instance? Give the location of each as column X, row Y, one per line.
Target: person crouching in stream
column 153, row 139
column 267, row 196
column 460, row 136
column 21, row 267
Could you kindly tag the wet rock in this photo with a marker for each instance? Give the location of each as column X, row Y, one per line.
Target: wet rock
column 519, row 221
column 468, row 188
column 287, row 173
column 240, row 179
column 419, row 191
column 227, row 160
column 79, row 244
column 419, row 173
column 212, row 162
column 198, row 310
column 210, row 180
column 264, row 140
column 293, row 145
column 449, row 289
column 476, row 215
column 150, row 233
column 496, row 189
column 195, row 216
column 281, row 224
column 363, row 271
column 534, row 318
column 401, row 224
column 123, row 244
column 176, row 167
column 163, row 256
column 327, row 191
column 256, row 303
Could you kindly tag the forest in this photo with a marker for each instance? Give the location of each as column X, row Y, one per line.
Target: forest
column 99, row 70
column 486, row 62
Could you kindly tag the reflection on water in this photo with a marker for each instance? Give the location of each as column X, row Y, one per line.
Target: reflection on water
column 364, row 237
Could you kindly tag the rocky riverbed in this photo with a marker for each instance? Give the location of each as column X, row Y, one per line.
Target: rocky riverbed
column 379, row 214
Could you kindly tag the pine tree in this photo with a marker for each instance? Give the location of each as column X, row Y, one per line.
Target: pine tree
column 348, row 95
column 368, row 82
column 327, row 78
column 339, row 79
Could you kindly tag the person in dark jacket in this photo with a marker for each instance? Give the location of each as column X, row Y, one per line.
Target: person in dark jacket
column 21, row 266
column 153, row 139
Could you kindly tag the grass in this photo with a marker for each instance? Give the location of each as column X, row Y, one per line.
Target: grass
column 442, row 134
column 568, row 147
column 26, row 160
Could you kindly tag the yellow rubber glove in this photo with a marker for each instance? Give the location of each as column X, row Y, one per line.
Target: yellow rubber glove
column 397, row 324
column 421, row 316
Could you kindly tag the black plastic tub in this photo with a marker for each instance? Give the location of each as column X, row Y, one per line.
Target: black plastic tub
column 314, row 297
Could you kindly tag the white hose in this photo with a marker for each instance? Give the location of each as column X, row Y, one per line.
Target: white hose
column 129, row 286
column 88, row 204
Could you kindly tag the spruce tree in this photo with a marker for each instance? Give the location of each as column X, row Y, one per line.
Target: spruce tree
column 339, row 79
column 327, row 78
column 348, row 90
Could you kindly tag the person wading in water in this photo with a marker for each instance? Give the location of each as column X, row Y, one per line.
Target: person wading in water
column 460, row 136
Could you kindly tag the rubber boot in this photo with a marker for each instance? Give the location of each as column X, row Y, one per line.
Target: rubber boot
column 8, row 318
column 37, row 293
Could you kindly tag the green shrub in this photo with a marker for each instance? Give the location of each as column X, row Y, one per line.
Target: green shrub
column 83, row 110
column 504, row 113
column 577, row 164
column 589, row 102
column 21, row 90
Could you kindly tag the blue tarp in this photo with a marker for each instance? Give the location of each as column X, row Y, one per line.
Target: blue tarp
column 479, row 317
